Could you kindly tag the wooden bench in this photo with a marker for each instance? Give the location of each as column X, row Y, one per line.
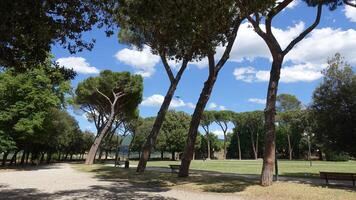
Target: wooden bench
column 174, row 168
column 338, row 176
column 119, row 163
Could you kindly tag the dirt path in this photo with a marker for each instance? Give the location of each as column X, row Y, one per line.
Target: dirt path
column 60, row 181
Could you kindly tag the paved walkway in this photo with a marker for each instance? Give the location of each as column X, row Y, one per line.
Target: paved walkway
column 60, row 181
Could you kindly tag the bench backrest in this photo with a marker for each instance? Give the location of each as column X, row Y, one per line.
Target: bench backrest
column 338, row 176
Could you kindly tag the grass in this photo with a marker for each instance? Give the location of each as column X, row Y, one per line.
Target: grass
column 286, row 167
column 245, row 188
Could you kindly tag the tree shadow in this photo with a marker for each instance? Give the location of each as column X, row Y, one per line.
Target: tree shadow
column 30, row 167
column 165, row 180
column 114, row 191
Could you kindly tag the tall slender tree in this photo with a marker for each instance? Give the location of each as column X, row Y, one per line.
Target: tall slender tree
column 175, row 30
column 205, row 122
column 278, row 54
column 223, row 118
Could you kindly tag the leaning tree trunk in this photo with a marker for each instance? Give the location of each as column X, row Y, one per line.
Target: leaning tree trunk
column 270, row 112
column 194, row 124
column 238, row 145
column 253, row 145
column 152, row 138
column 94, row 147
column 290, row 150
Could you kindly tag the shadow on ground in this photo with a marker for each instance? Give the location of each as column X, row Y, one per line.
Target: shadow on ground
column 115, row 191
column 166, row 180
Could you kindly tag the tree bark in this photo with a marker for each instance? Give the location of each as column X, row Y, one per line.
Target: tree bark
column 290, row 150
column 23, row 157
column 98, row 139
column 14, row 158
column 270, row 112
column 173, row 155
column 208, row 144
column 4, row 158
column 49, row 157
column 225, row 147
column 194, row 124
column 253, row 146
column 152, row 138
column 239, row 146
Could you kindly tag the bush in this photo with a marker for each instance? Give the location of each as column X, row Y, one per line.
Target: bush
column 337, row 156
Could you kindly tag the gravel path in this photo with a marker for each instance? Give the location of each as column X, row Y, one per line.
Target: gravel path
column 60, row 181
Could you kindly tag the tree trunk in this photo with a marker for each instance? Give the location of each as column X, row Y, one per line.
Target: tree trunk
column 270, row 112
column 14, row 158
column 290, row 150
column 194, row 124
column 162, row 155
column 208, row 144
column 27, row 157
column 23, row 157
column 106, row 155
column 49, row 157
column 100, row 155
column 152, row 137
column 4, row 158
column 42, row 157
column 239, row 146
column 94, row 147
column 173, row 155
column 253, row 145
column 71, row 157
column 225, row 148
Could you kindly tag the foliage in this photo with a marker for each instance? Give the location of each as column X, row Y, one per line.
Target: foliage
column 94, row 93
column 334, row 108
column 180, row 30
column 174, row 131
column 29, row 28
column 288, row 102
column 336, row 156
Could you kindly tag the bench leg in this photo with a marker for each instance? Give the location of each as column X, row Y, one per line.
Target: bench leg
column 353, row 182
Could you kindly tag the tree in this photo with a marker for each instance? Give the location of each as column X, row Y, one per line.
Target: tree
column 291, row 125
column 107, row 99
column 182, row 31
column 278, row 55
column 222, row 118
column 288, row 102
column 25, row 102
column 251, row 124
column 174, row 130
column 29, row 28
column 334, row 108
column 225, row 18
column 205, row 122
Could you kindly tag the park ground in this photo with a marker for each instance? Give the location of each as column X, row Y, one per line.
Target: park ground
column 209, row 180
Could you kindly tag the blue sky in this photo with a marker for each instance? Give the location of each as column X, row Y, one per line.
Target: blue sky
column 242, row 83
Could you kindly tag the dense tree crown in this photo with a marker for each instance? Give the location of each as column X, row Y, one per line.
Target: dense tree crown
column 178, row 29
column 334, row 107
column 288, row 102
column 29, row 28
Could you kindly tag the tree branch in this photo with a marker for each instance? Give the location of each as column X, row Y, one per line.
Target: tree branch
column 347, row 2
column 305, row 32
column 231, row 41
column 104, row 95
column 167, row 67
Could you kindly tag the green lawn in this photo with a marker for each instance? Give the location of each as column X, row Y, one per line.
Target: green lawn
column 286, row 167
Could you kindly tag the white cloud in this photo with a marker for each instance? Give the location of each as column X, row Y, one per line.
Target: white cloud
column 350, row 13
column 293, row 4
column 156, row 100
column 78, row 64
column 305, row 60
column 143, row 62
column 220, row 132
column 257, row 101
column 290, row 74
column 214, row 106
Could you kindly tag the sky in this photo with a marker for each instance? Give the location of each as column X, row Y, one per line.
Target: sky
column 242, row 83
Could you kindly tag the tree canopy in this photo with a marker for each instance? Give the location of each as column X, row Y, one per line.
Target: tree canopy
column 29, row 28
